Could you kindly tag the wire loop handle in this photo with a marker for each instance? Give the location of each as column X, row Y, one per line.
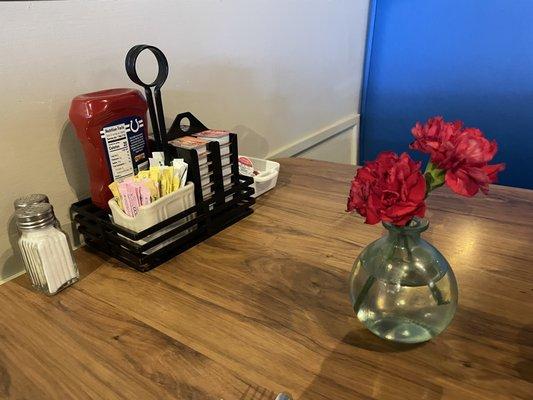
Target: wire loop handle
column 157, row 115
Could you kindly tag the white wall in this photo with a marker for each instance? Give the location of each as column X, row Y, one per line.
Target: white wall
column 280, row 73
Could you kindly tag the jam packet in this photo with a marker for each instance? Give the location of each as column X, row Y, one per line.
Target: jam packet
column 246, row 166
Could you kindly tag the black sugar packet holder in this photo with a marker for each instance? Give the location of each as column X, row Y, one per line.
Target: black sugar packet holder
column 203, row 220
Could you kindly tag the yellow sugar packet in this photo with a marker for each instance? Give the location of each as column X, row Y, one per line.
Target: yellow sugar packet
column 166, row 180
column 154, row 175
column 175, row 181
column 145, row 174
column 154, row 192
column 113, row 186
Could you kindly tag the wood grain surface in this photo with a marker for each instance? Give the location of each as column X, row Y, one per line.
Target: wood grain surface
column 263, row 307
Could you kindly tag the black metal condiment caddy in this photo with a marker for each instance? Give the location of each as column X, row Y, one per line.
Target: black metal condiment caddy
column 147, row 249
column 203, row 220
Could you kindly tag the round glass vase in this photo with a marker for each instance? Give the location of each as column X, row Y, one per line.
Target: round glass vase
column 401, row 287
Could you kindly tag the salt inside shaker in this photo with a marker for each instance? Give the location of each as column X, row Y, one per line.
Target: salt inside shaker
column 45, row 249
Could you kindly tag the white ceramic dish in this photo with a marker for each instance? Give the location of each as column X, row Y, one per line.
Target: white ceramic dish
column 267, row 177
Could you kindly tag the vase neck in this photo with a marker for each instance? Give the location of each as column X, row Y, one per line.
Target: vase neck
column 413, row 229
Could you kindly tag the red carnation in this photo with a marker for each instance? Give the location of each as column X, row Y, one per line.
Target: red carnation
column 390, row 189
column 435, row 137
column 467, row 168
column 460, row 155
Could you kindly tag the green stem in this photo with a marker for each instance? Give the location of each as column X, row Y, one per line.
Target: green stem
column 434, row 176
column 364, row 291
column 407, row 248
column 437, row 294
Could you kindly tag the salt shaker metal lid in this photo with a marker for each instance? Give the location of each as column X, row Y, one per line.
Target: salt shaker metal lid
column 35, row 216
column 30, row 199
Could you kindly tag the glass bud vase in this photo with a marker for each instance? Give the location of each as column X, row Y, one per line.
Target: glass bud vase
column 401, row 287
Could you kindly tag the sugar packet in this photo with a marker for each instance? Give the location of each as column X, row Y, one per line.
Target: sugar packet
column 157, row 159
column 180, row 173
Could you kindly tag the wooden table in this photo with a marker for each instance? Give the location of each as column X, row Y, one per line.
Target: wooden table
column 263, row 307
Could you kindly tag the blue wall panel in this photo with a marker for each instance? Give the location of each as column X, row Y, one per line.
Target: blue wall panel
column 463, row 59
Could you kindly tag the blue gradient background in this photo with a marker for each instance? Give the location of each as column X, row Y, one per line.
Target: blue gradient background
column 462, row 59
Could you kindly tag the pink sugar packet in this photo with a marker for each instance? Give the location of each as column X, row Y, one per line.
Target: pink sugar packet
column 145, row 195
column 134, row 195
column 123, row 190
column 130, row 194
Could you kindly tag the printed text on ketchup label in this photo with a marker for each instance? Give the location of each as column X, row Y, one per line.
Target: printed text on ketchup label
column 125, row 145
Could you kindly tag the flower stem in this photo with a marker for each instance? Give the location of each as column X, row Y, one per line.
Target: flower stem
column 362, row 295
column 435, row 177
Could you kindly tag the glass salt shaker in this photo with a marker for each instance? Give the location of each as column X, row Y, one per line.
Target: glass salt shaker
column 45, row 249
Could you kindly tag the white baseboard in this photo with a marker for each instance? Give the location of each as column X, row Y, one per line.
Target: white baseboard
column 315, row 138
column 13, row 276
column 355, row 144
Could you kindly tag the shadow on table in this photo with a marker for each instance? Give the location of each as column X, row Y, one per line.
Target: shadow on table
column 364, row 339
column 341, row 378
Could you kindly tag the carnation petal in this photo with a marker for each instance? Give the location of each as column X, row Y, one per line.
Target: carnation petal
column 461, row 183
column 492, row 171
column 400, row 209
column 372, row 217
column 418, row 190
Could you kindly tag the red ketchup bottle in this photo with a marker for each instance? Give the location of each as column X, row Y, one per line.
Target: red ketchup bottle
column 111, row 126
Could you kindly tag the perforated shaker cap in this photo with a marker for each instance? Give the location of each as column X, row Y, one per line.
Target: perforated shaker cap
column 30, row 199
column 35, row 216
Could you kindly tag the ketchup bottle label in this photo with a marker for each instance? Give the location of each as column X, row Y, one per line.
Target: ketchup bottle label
column 125, row 146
